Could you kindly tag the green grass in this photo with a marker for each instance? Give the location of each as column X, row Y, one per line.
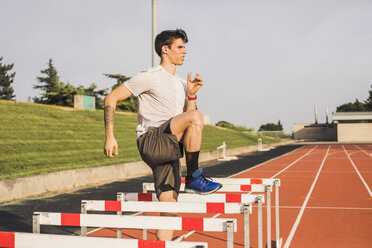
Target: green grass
column 37, row 139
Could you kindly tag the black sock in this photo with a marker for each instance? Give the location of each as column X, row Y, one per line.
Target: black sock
column 192, row 163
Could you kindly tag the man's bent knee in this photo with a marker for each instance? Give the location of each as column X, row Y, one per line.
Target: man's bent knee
column 196, row 118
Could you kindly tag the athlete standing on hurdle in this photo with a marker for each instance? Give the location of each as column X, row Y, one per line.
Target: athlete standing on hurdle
column 167, row 121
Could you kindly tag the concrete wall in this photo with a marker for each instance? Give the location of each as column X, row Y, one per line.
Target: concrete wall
column 315, row 132
column 20, row 188
column 354, row 132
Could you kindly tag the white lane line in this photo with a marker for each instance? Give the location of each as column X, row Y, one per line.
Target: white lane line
column 294, row 162
column 240, row 172
column 294, row 228
column 356, row 169
column 368, row 154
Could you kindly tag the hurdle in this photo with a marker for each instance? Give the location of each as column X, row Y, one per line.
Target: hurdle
column 251, row 185
column 30, row 240
column 187, row 203
column 260, row 148
column 224, row 157
column 247, row 184
column 136, row 222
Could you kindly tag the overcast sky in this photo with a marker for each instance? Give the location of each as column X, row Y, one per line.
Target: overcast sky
column 261, row 60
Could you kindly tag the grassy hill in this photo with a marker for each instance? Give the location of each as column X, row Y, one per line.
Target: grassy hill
column 37, row 139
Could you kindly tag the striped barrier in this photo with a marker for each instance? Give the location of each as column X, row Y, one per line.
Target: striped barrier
column 137, row 222
column 165, row 207
column 251, row 185
column 186, row 197
column 178, row 207
column 226, row 187
column 245, row 199
column 31, row 240
column 268, row 183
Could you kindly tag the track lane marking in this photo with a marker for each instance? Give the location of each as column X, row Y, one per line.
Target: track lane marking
column 368, row 154
column 293, row 162
column 356, row 169
column 299, row 216
column 240, row 172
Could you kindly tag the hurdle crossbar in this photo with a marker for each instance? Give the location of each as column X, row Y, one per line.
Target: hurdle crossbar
column 136, row 222
column 186, row 197
column 30, row 240
column 165, row 207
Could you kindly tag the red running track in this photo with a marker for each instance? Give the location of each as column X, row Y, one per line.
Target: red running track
column 325, row 200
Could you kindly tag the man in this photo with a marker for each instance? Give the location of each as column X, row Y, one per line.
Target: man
column 167, row 121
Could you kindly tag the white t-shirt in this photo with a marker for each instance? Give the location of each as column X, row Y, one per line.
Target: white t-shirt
column 160, row 96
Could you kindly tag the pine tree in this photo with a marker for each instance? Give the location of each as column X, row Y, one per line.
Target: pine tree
column 368, row 102
column 50, row 84
column 6, row 79
column 280, row 127
column 130, row 104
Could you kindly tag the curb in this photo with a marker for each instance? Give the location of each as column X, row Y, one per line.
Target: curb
column 62, row 181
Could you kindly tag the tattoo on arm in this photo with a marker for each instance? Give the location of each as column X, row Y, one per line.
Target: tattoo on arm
column 109, row 116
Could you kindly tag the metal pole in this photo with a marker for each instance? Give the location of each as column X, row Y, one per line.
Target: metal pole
column 155, row 60
column 246, row 225
column 144, row 232
column 268, row 196
column 230, row 234
column 119, row 197
column 84, row 210
column 278, row 240
column 260, row 245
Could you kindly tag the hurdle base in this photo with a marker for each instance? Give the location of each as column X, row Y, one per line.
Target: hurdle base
column 279, row 243
column 227, row 158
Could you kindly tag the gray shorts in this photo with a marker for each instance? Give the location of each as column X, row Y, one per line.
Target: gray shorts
column 160, row 150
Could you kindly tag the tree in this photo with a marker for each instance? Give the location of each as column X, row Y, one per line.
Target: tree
column 226, row 124
column 351, row 107
column 368, row 101
column 130, row 104
column 271, row 127
column 51, row 86
column 357, row 106
column 6, row 79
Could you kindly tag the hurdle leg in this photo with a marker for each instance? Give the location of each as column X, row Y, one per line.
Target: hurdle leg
column 230, row 234
column 144, row 234
column 268, row 198
column 260, row 245
column 247, row 212
column 119, row 197
column 278, row 239
column 36, row 223
column 83, row 231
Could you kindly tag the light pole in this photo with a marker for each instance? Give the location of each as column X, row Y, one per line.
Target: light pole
column 155, row 60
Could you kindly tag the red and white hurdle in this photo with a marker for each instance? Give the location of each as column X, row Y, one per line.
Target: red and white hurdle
column 137, row 222
column 251, row 185
column 31, row 240
column 192, row 206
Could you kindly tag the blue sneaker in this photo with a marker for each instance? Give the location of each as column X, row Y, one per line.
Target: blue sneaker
column 201, row 185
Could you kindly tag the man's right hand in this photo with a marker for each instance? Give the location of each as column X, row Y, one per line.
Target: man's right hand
column 111, row 148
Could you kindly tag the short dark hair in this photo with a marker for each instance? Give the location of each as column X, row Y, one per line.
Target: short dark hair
column 166, row 38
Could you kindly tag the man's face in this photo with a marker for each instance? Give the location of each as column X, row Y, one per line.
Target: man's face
column 176, row 53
